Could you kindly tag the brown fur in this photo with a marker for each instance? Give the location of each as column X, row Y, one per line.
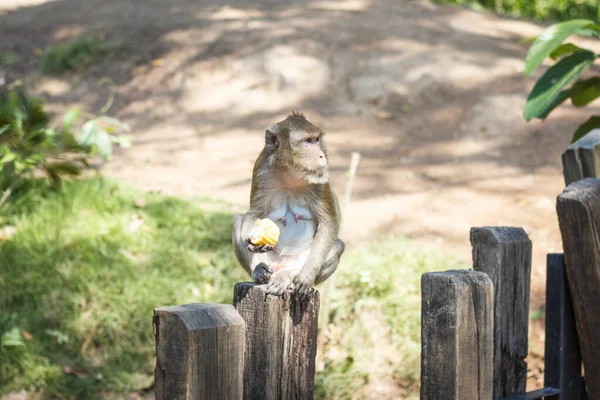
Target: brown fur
column 284, row 168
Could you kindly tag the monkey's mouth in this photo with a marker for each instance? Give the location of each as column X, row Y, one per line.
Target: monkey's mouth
column 318, row 175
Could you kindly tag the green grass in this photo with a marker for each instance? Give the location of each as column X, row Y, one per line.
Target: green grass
column 74, row 55
column 544, row 10
column 376, row 314
column 82, row 281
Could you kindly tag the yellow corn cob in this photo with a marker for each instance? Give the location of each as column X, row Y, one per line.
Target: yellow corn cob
column 264, row 231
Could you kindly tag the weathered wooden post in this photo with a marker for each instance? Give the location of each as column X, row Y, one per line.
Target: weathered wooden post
column 456, row 336
column 578, row 210
column 505, row 255
column 582, row 158
column 562, row 362
column 199, row 352
column 281, row 343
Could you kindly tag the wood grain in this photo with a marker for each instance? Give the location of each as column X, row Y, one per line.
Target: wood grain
column 578, row 210
column 456, row 336
column 504, row 254
column 199, row 352
column 281, row 343
column 582, row 158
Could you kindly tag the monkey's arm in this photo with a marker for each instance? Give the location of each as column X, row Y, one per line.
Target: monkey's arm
column 242, row 225
column 252, row 262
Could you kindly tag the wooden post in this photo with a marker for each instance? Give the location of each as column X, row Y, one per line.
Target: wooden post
column 505, row 255
column 578, row 210
column 199, row 352
column 562, row 361
column 456, row 336
column 582, row 158
column 281, row 343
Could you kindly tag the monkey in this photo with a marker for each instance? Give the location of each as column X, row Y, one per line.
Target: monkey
column 290, row 186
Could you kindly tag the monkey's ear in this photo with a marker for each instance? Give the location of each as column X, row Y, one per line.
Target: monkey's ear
column 271, row 140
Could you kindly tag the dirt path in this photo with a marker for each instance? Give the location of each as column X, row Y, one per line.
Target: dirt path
column 431, row 96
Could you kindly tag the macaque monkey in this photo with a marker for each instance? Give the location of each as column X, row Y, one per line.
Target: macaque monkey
column 290, row 186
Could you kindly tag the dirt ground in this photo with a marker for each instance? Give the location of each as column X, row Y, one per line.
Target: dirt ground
column 431, row 96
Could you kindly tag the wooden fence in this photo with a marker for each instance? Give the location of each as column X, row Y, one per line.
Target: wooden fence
column 474, row 322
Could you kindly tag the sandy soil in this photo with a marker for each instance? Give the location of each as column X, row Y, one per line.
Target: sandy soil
column 431, row 96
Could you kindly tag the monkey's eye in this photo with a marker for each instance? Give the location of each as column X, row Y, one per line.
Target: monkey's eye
column 310, row 140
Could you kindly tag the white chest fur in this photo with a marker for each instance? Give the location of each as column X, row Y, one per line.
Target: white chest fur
column 295, row 221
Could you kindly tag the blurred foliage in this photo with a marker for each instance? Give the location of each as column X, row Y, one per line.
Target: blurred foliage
column 549, row 10
column 559, row 82
column 27, row 142
column 73, row 56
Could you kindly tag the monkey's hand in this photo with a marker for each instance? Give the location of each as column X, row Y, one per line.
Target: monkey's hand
column 262, row 273
column 263, row 248
column 303, row 284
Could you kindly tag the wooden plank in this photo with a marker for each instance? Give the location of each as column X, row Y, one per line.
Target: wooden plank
column 562, row 361
column 281, row 342
column 456, row 336
column 582, row 158
column 504, row 254
column 199, row 352
column 579, row 219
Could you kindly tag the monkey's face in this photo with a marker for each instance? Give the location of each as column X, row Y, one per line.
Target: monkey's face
column 308, row 152
column 298, row 147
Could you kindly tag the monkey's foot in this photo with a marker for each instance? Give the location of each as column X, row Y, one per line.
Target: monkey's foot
column 262, row 273
column 303, row 286
column 262, row 248
column 278, row 285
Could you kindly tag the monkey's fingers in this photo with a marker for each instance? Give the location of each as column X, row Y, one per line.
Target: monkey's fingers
column 302, row 288
column 263, row 248
column 262, row 273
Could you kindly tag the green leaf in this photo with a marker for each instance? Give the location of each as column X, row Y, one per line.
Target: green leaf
column 4, row 128
column 562, row 96
column 70, row 117
column 585, row 91
column 550, row 39
column 103, row 143
column 591, row 30
column 550, row 85
column 563, row 49
column 123, row 140
column 113, row 121
column 8, row 157
column 88, row 133
column 12, row 338
column 592, row 123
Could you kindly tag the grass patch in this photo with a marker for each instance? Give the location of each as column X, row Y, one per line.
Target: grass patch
column 376, row 318
column 86, row 265
column 83, row 272
column 75, row 55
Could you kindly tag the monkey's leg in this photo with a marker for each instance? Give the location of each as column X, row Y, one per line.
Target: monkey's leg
column 331, row 262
